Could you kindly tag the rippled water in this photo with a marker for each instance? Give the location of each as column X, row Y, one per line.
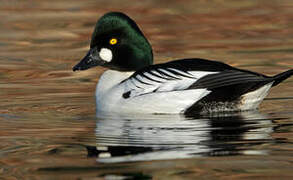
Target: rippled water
column 48, row 126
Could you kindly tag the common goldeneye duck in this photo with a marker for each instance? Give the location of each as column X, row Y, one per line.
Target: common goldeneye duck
column 190, row 86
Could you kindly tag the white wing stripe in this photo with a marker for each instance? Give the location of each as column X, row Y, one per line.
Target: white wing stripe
column 200, row 74
column 168, row 73
column 156, row 73
column 154, row 78
column 162, row 80
column 137, row 83
column 145, row 80
column 181, row 72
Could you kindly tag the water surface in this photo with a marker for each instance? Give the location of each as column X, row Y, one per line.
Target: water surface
column 49, row 129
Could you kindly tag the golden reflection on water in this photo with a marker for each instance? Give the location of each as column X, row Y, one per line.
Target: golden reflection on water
column 47, row 111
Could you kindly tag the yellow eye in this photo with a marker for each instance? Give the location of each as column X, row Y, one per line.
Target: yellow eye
column 113, row 41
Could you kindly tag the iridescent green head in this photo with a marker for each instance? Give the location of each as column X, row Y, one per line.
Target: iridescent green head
column 117, row 43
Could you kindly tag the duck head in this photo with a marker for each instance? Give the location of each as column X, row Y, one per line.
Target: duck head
column 117, row 43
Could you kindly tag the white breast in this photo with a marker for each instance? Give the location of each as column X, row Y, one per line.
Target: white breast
column 108, row 90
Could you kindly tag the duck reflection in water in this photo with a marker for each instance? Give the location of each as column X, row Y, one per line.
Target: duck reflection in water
column 158, row 137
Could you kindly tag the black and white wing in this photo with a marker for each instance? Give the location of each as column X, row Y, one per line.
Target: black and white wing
column 161, row 80
column 187, row 74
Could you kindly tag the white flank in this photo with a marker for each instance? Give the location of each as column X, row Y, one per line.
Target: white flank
column 252, row 99
column 109, row 96
column 106, row 54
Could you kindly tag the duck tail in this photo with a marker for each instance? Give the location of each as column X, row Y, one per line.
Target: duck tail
column 281, row 77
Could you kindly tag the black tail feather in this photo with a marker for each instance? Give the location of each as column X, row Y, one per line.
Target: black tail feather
column 282, row 76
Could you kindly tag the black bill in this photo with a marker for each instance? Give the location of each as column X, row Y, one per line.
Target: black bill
column 90, row 60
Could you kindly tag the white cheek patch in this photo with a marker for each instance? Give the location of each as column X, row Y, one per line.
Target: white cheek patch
column 106, row 54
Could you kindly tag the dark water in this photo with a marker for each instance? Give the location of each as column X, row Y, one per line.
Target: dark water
column 48, row 126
